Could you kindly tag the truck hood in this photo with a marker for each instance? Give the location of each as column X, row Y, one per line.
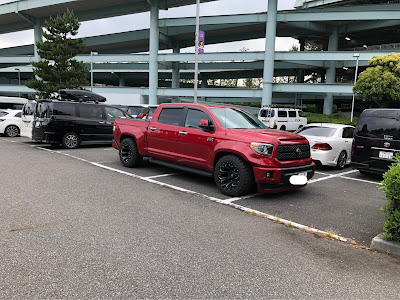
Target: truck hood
column 267, row 136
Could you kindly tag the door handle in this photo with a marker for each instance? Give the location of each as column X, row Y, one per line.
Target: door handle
column 152, row 128
column 102, row 122
column 183, row 133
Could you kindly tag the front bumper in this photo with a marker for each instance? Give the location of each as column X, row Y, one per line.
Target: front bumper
column 273, row 180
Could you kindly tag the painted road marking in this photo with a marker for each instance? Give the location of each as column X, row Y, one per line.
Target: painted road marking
column 332, row 176
column 228, row 202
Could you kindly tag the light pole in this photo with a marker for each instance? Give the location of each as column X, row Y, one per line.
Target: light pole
column 357, row 55
column 91, row 69
column 196, row 43
column 19, row 81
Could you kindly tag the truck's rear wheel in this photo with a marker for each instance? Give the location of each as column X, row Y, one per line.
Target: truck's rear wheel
column 129, row 154
column 233, row 176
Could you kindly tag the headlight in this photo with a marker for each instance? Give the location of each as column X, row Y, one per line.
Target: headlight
column 261, row 148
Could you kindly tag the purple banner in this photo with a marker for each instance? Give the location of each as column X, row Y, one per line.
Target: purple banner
column 201, row 41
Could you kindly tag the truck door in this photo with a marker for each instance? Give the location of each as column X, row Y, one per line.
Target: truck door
column 163, row 133
column 194, row 145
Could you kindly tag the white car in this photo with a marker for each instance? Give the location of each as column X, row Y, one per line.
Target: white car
column 330, row 143
column 10, row 122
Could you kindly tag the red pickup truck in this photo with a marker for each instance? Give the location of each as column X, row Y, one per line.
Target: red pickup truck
column 219, row 141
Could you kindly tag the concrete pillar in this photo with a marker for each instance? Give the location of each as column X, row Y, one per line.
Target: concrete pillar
column 37, row 30
column 269, row 57
column 154, row 46
column 331, row 71
column 300, row 73
column 175, row 71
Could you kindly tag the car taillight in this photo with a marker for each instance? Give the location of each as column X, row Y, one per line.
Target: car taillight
column 322, row 146
column 353, row 146
column 114, row 127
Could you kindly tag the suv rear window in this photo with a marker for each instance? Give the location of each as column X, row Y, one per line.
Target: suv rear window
column 379, row 127
column 317, row 131
column 44, row 109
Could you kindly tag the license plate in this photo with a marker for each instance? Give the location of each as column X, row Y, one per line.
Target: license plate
column 385, row 155
column 303, row 174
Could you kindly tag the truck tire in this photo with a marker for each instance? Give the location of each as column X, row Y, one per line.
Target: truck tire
column 233, row 176
column 128, row 153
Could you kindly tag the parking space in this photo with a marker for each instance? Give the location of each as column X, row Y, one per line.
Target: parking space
column 341, row 201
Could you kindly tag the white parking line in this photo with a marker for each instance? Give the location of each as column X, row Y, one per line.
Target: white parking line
column 362, row 180
column 163, row 175
column 332, row 176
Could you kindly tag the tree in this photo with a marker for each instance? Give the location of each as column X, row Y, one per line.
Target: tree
column 57, row 68
column 380, row 82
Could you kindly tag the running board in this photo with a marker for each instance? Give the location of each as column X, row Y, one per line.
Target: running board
column 180, row 167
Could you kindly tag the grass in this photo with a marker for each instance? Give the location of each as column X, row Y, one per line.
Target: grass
column 334, row 118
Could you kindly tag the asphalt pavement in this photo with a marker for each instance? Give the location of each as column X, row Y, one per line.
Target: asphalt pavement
column 75, row 224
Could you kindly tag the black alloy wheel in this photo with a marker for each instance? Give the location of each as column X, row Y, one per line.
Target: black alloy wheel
column 233, row 176
column 128, row 153
column 71, row 140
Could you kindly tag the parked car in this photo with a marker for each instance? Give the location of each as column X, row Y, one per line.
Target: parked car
column 226, row 143
column 376, row 140
column 27, row 118
column 139, row 111
column 330, row 143
column 10, row 122
column 73, row 123
column 282, row 118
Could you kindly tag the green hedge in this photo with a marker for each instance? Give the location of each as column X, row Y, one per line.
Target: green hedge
column 391, row 186
column 338, row 119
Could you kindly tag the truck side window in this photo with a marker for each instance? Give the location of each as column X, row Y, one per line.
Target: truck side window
column 194, row 116
column 292, row 114
column 171, row 115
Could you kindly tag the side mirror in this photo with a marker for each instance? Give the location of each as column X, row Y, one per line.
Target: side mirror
column 206, row 125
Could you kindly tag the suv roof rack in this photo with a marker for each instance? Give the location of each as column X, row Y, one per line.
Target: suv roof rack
column 80, row 96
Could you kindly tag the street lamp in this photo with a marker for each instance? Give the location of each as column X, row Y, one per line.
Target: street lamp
column 19, row 81
column 196, row 49
column 91, row 69
column 357, row 55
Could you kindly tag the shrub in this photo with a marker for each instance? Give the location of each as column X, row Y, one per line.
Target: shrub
column 338, row 119
column 391, row 186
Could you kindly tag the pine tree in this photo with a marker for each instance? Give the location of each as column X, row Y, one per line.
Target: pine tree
column 57, row 68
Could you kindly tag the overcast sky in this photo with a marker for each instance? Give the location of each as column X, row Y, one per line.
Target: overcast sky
column 142, row 20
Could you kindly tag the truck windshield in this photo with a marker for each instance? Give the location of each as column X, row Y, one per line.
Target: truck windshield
column 237, row 119
column 44, row 110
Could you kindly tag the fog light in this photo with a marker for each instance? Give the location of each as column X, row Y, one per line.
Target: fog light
column 269, row 174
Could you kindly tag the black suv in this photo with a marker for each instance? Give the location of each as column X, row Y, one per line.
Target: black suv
column 74, row 122
column 376, row 140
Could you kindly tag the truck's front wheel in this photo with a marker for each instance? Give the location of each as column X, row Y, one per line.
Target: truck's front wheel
column 233, row 176
column 128, row 153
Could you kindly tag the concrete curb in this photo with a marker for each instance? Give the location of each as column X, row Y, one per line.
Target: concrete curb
column 384, row 246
